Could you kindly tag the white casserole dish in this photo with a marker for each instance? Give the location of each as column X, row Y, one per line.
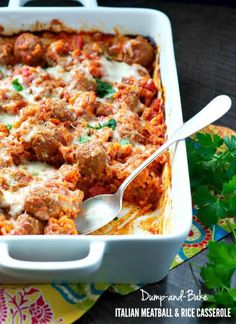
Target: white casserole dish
column 116, row 258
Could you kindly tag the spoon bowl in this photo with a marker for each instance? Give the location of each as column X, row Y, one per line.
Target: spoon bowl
column 100, row 210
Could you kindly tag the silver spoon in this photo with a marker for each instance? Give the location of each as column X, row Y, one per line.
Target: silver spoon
column 99, row 210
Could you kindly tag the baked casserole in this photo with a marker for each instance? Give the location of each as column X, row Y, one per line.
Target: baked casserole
column 78, row 112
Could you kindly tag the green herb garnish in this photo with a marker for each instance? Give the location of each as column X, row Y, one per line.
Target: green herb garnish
column 217, row 275
column 83, row 139
column 95, row 127
column 212, row 167
column 104, row 89
column 9, row 126
column 116, row 218
column 124, row 141
column 34, row 174
column 111, row 123
column 16, row 85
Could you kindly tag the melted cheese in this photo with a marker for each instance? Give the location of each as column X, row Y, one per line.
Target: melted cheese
column 5, row 84
column 28, row 95
column 5, row 71
column 115, row 71
column 30, row 134
column 30, row 92
column 58, row 72
column 41, row 170
column 7, row 118
column 15, row 200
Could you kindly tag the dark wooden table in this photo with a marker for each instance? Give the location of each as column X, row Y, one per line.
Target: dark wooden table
column 205, row 46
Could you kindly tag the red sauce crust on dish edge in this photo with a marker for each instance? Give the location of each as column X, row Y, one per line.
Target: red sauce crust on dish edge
column 78, row 112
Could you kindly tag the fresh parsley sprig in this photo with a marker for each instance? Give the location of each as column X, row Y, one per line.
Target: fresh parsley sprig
column 212, row 167
column 217, row 275
column 104, row 89
column 112, row 123
column 16, row 85
column 9, row 126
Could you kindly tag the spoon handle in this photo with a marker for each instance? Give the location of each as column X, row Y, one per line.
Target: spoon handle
column 211, row 112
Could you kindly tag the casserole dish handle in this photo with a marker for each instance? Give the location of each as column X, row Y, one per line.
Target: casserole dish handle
column 14, row 4
column 89, row 264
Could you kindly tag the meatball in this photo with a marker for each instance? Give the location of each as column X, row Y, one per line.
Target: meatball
column 128, row 126
column 84, row 103
column 94, row 48
column 59, row 110
column 46, row 144
column 6, row 53
column 53, row 201
column 105, row 108
column 127, row 131
column 46, row 109
column 27, row 225
column 11, row 101
column 131, row 102
column 80, row 82
column 56, row 51
column 139, row 51
column 46, row 148
column 29, row 49
column 91, row 158
column 62, row 113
